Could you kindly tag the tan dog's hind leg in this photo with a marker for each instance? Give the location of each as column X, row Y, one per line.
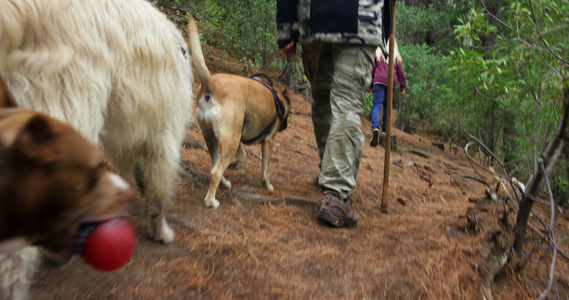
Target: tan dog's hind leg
column 267, row 152
column 226, row 150
column 213, row 149
column 237, row 163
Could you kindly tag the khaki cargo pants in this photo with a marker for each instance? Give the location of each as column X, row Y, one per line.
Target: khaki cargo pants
column 340, row 75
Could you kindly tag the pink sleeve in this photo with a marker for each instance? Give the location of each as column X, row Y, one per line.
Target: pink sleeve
column 401, row 75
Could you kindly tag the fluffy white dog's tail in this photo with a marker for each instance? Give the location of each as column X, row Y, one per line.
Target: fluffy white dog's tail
column 198, row 58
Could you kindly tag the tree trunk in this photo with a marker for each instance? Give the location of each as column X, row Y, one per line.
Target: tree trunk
column 565, row 199
column 509, row 136
column 532, row 188
column 403, row 123
column 293, row 76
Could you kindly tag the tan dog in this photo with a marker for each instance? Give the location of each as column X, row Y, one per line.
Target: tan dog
column 51, row 180
column 231, row 109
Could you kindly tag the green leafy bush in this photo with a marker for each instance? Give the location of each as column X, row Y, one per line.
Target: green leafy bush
column 246, row 29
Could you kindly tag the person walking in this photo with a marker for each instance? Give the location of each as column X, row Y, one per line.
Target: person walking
column 338, row 40
column 379, row 88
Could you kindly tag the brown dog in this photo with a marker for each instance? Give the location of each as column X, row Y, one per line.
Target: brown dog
column 231, row 109
column 51, row 180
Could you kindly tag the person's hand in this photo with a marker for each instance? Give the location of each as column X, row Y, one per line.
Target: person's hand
column 370, row 90
column 290, row 49
column 402, row 92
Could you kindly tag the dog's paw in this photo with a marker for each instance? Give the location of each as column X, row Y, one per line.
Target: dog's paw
column 166, row 233
column 268, row 185
column 162, row 233
column 212, row 204
column 226, row 184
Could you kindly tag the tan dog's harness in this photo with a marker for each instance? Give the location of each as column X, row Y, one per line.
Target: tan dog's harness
column 278, row 104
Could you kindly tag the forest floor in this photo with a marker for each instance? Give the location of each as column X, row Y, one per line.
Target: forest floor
column 436, row 242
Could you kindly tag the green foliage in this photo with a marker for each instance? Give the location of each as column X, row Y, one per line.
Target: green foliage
column 432, row 101
column 429, row 91
column 244, row 28
column 560, row 188
column 514, row 60
column 473, row 27
column 368, row 105
column 431, row 25
column 565, row 237
column 277, row 64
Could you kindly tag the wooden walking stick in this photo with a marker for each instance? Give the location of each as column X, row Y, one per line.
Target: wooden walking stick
column 388, row 112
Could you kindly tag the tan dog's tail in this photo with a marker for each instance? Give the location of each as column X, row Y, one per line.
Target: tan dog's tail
column 197, row 56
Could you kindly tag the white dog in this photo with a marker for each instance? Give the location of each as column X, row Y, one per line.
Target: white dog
column 116, row 70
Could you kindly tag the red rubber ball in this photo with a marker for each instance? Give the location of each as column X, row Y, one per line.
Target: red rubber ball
column 110, row 245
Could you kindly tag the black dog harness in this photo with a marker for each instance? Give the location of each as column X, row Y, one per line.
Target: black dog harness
column 278, row 104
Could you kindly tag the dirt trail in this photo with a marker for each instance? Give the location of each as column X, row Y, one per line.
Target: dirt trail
column 268, row 245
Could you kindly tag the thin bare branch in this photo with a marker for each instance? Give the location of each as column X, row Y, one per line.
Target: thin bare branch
column 541, row 37
column 528, row 44
column 536, row 137
column 540, row 220
column 554, row 160
column 472, row 160
column 505, row 175
column 553, row 69
column 559, row 250
column 550, row 122
column 520, row 35
column 551, row 234
column 506, row 25
column 480, row 93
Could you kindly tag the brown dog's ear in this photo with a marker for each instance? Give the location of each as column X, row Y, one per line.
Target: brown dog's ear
column 25, row 133
column 38, row 129
column 6, row 99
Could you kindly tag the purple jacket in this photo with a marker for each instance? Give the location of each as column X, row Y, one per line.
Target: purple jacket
column 380, row 71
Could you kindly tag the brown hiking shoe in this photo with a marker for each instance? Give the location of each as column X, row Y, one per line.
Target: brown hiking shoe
column 374, row 138
column 337, row 213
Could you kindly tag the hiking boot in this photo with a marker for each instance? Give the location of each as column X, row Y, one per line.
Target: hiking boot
column 374, row 138
column 337, row 213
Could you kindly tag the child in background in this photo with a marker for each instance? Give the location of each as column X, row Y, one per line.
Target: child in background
column 379, row 79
